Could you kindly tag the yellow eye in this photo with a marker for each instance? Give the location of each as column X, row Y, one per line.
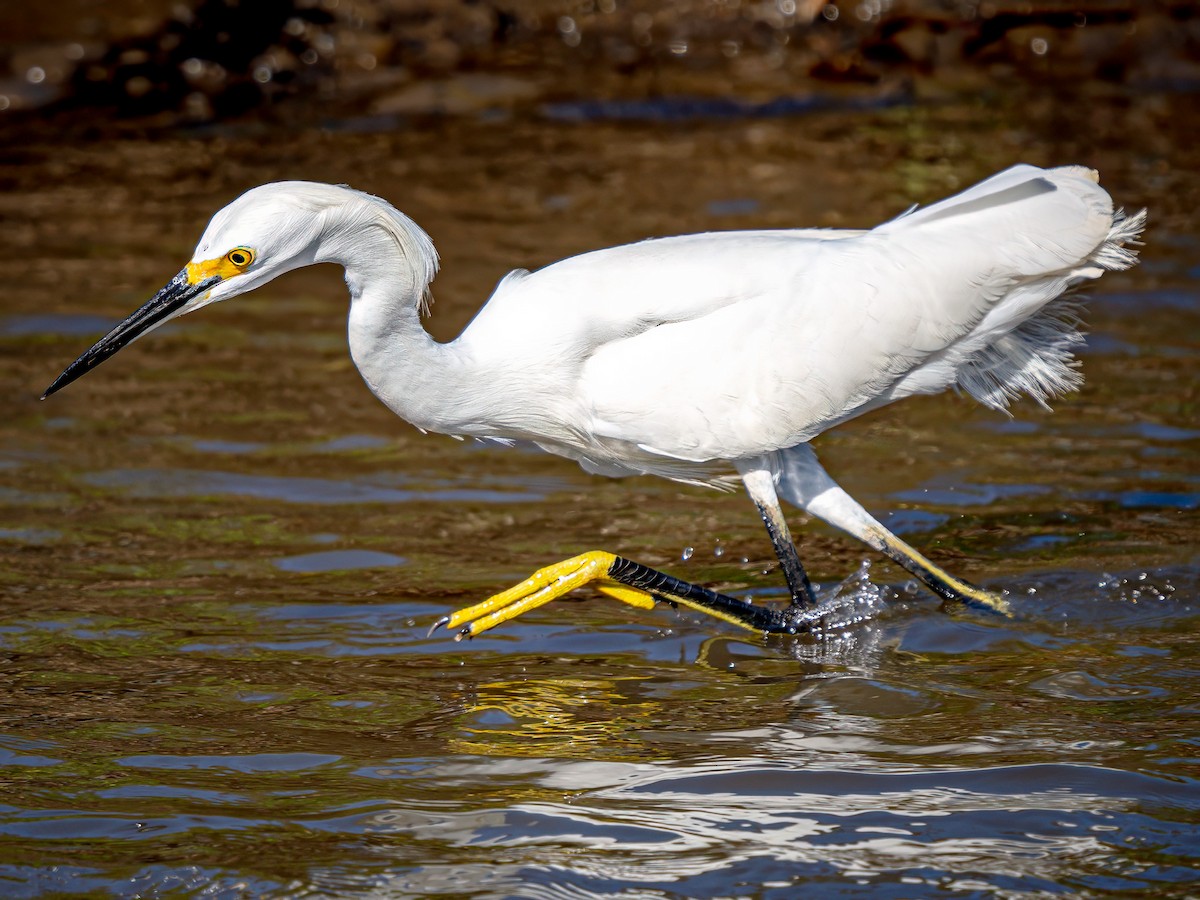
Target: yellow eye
column 240, row 256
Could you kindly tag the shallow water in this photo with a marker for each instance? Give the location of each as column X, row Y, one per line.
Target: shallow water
column 221, row 555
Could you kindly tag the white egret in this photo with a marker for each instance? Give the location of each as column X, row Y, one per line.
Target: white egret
column 694, row 357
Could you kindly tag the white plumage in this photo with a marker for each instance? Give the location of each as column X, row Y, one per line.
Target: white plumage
column 693, row 357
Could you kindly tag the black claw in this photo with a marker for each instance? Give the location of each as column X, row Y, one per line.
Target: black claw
column 464, row 632
column 436, row 625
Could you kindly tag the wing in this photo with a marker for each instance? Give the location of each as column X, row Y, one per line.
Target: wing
column 587, row 301
column 723, row 346
column 530, row 347
column 847, row 325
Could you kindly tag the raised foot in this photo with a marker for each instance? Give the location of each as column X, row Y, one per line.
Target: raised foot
column 629, row 582
column 540, row 588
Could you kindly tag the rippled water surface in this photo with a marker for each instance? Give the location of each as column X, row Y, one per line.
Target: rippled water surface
column 221, row 555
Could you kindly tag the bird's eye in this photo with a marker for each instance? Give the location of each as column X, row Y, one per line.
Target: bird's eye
column 240, row 256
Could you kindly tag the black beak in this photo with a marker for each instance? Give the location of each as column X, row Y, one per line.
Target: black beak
column 161, row 307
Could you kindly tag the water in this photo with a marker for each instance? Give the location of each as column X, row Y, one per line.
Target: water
column 221, row 556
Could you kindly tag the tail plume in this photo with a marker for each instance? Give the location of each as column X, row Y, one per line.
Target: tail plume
column 1037, row 357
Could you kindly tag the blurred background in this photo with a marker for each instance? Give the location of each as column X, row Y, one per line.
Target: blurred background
column 169, row 64
column 220, row 555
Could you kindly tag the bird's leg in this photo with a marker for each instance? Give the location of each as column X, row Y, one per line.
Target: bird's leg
column 805, row 483
column 676, row 591
column 760, row 485
column 937, row 579
column 619, row 578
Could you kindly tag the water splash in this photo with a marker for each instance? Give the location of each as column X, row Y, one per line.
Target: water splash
column 850, row 603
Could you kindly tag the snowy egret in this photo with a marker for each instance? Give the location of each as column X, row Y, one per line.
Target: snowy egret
column 694, row 357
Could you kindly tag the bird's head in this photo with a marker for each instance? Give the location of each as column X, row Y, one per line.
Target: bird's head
column 267, row 231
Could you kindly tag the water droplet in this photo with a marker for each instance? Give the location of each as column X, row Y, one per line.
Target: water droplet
column 718, row 551
column 687, row 553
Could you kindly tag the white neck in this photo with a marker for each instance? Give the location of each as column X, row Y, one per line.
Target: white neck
column 389, row 263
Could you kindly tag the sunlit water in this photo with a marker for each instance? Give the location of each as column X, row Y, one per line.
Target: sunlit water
column 221, row 557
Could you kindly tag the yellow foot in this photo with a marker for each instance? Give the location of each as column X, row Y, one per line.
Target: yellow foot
column 540, row 588
column 624, row 580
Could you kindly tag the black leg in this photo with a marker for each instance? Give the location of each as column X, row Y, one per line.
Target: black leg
column 730, row 609
column 761, row 487
column 624, row 580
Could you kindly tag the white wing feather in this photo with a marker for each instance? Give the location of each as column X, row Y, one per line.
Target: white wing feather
column 715, row 347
